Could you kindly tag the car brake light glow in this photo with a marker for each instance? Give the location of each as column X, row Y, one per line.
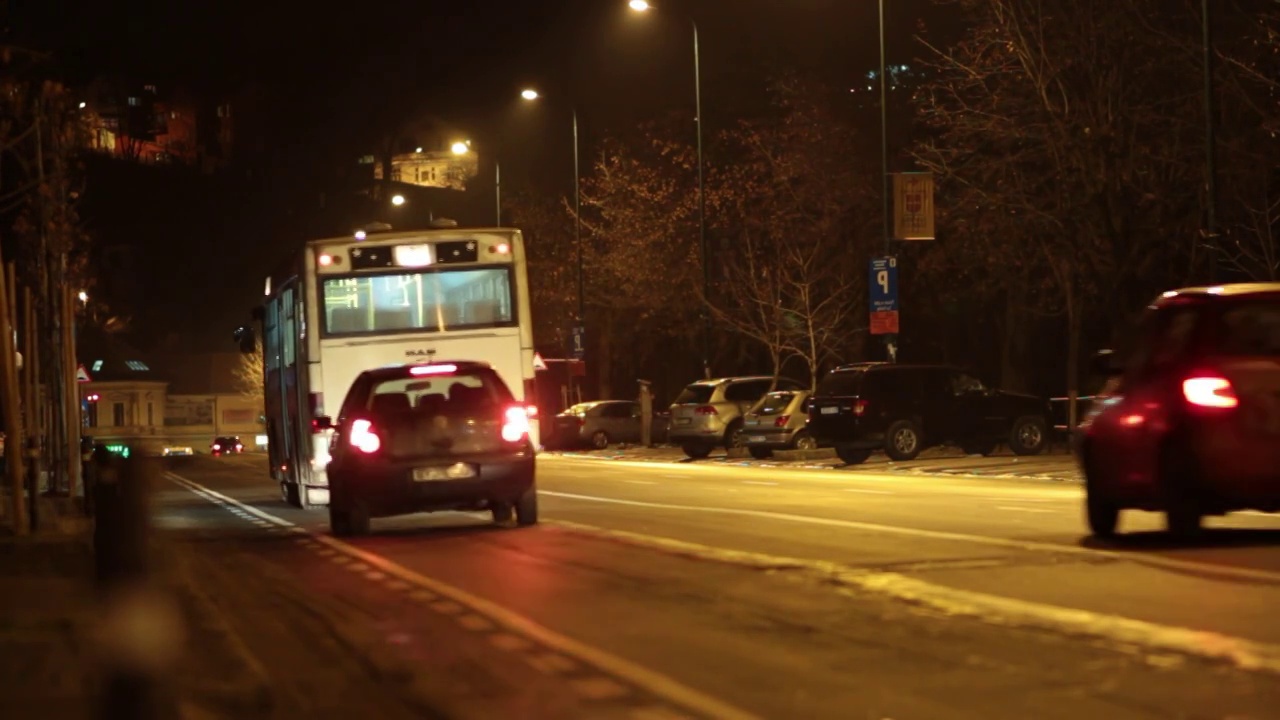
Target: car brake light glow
column 860, row 408
column 217, row 446
column 515, row 424
column 531, row 411
column 1210, row 391
column 433, row 369
column 239, row 446
column 706, row 410
column 782, row 421
column 363, row 438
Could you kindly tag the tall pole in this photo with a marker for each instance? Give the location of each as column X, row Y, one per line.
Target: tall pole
column 702, row 209
column 1210, row 142
column 577, row 214
column 886, row 210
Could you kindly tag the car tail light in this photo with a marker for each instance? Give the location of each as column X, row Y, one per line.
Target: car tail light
column 1210, row 391
column 216, row 446
column 239, row 446
column 363, row 437
column 531, row 411
column 860, row 408
column 706, row 410
column 515, row 424
column 782, row 421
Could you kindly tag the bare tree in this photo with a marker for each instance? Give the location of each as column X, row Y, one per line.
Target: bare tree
column 249, row 374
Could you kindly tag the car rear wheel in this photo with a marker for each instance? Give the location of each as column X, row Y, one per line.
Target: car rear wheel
column 501, row 512
column 804, row 441
column 600, row 440
column 852, row 455
column 527, row 507
column 348, row 522
column 697, row 452
column 1103, row 515
column 902, row 441
column 1029, row 435
column 733, row 435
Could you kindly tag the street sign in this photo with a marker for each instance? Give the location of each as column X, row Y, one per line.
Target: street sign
column 882, row 282
column 913, row 206
column 538, row 362
column 82, row 375
column 578, row 345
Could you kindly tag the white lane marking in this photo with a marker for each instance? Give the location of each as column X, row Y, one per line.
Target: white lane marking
column 865, row 491
column 1022, row 509
column 653, row 682
column 1027, row 545
column 757, row 482
column 1119, row 630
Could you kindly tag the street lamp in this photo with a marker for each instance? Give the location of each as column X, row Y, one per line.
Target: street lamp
column 644, row 6
column 84, row 296
column 462, row 147
column 530, row 94
column 397, row 200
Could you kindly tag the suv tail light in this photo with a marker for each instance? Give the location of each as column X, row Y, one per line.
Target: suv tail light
column 782, row 421
column 363, row 437
column 706, row 410
column 860, row 408
column 515, row 424
column 1210, row 391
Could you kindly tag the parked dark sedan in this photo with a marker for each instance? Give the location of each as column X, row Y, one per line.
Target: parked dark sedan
column 599, row 423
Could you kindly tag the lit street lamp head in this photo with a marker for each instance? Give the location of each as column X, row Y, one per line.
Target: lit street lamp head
column 461, row 148
column 397, row 200
column 529, row 94
column 639, row 5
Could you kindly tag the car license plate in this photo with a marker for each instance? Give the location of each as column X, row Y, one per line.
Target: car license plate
column 456, row 471
column 830, row 410
column 756, row 438
column 682, row 421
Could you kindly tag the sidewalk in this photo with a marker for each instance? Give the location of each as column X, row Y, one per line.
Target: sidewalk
column 46, row 612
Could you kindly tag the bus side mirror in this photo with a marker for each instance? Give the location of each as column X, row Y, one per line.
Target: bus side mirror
column 246, row 339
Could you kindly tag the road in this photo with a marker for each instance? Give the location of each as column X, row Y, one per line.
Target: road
column 668, row 590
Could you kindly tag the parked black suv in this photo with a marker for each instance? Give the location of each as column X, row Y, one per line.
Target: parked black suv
column 904, row 409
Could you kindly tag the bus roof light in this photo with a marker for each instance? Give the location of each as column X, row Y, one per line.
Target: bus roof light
column 433, row 369
column 500, row 248
column 326, row 260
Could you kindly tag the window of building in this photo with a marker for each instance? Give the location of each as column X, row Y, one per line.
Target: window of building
column 134, row 102
column 117, row 414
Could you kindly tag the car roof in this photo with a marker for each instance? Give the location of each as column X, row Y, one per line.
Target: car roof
column 892, row 366
column 1210, row 293
column 391, row 372
column 736, row 378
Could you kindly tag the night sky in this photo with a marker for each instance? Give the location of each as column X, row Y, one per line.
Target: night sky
column 317, row 86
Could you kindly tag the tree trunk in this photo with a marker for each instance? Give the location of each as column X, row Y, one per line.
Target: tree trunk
column 1073, row 355
column 604, row 357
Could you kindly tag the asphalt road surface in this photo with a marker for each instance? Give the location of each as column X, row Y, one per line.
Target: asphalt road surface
column 667, row 590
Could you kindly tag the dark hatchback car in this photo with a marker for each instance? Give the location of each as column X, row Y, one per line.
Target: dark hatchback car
column 443, row 436
column 904, row 409
column 226, row 445
column 1191, row 422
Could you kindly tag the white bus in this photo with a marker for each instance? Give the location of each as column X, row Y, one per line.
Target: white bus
column 348, row 304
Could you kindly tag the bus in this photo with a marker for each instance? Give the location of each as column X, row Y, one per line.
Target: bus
column 347, row 304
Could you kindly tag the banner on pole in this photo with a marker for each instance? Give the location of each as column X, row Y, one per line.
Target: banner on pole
column 913, row 206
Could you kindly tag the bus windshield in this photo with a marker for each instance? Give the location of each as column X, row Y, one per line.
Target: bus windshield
column 431, row 300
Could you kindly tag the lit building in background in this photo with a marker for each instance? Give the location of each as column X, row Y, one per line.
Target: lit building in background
column 140, row 123
column 437, row 169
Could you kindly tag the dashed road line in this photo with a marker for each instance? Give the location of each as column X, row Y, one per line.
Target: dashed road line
column 593, row 674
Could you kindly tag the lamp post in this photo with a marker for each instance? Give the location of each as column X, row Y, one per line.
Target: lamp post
column 890, row 342
column 462, row 147
column 530, row 95
column 641, row 6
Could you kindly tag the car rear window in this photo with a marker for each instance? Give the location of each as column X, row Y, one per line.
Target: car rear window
column 841, row 383
column 696, row 394
column 1251, row 330
column 456, row 394
column 776, row 402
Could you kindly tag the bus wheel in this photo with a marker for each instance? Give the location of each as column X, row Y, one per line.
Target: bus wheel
column 289, row 493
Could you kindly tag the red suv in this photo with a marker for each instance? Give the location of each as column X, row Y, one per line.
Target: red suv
column 1190, row 424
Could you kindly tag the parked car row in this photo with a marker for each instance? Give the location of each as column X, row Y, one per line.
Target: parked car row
column 858, row 409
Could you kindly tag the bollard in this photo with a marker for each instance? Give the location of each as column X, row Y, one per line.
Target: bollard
column 140, row 636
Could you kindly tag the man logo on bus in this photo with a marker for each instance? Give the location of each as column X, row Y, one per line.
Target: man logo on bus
column 420, row 353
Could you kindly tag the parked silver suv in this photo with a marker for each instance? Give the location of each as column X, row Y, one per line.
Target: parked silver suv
column 710, row 412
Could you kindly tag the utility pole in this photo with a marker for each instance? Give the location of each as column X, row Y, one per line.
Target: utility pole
column 890, row 341
column 1210, row 144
